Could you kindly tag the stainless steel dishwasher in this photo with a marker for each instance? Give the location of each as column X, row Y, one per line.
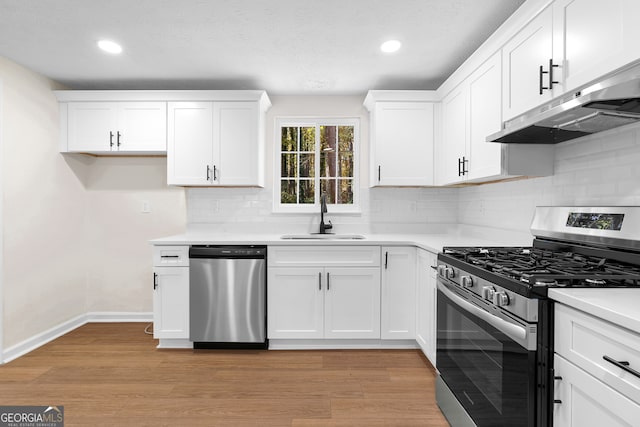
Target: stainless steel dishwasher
column 227, row 296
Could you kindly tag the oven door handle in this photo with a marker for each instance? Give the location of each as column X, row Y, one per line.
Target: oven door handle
column 516, row 332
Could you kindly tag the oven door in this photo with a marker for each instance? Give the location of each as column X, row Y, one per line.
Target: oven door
column 486, row 360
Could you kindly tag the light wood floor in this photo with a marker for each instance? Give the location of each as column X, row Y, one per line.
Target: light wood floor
column 112, row 374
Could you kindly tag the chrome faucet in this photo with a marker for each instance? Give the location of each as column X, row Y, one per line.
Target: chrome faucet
column 323, row 210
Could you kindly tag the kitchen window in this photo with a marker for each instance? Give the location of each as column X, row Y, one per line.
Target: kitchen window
column 316, row 156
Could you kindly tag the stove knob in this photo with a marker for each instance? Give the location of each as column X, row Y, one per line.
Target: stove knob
column 467, row 281
column 488, row 292
column 441, row 269
column 501, row 299
column 449, row 273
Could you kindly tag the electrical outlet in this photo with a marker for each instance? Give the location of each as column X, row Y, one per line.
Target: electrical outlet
column 146, row 206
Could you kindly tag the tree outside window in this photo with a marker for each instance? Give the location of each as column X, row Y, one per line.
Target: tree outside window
column 316, row 157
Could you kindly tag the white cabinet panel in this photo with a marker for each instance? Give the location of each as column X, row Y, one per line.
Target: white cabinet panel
column 171, row 302
column 237, row 132
column 142, row 126
column 398, row 293
column 352, row 303
column 426, row 304
column 295, row 301
column 522, row 57
column 215, row 143
column 401, row 139
column 116, row 127
column 452, row 147
column 592, row 38
column 583, row 401
column 190, row 147
column 91, row 126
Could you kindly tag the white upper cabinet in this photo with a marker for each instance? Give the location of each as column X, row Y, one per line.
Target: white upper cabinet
column 570, row 44
column 190, row 148
column 592, row 38
column 526, row 60
column 114, row 127
column 401, row 137
column 217, row 143
column 471, row 112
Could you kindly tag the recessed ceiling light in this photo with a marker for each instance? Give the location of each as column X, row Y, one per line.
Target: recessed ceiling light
column 110, row 46
column 390, row 46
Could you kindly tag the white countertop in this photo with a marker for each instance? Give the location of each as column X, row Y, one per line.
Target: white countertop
column 428, row 241
column 619, row 306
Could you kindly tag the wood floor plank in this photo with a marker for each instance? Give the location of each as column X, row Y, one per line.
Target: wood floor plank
column 113, row 374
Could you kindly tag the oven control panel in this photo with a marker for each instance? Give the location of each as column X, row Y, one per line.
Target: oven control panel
column 504, row 299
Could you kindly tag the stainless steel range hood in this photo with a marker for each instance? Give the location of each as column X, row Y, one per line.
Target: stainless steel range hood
column 613, row 102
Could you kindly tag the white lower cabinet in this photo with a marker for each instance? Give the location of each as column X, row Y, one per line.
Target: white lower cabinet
column 590, row 389
column 426, row 304
column 398, row 293
column 323, row 292
column 312, row 302
column 171, row 302
column 581, row 400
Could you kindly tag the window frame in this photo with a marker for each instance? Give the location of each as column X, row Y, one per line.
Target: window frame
column 281, row 122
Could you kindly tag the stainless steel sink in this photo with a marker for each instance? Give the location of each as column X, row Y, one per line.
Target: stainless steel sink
column 322, row 237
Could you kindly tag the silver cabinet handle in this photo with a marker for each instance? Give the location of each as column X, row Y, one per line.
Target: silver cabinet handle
column 328, row 286
column 155, row 281
column 215, row 173
column 208, row 169
column 320, row 281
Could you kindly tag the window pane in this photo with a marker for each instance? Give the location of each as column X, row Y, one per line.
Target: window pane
column 328, row 186
column 288, row 191
column 289, row 166
column 307, row 191
column 328, row 138
column 346, row 165
column 327, row 164
column 289, row 138
column 345, row 191
column 345, row 135
column 308, row 139
column 307, row 165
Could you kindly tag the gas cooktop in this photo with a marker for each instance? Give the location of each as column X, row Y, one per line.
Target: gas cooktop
column 539, row 267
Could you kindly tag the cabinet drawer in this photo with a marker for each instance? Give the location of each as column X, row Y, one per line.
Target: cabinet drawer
column 585, row 340
column 324, row 256
column 581, row 400
column 170, row 256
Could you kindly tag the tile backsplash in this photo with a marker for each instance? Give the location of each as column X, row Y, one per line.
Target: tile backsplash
column 602, row 169
column 599, row 170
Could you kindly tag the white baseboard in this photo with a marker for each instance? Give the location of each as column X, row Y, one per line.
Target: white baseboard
column 49, row 335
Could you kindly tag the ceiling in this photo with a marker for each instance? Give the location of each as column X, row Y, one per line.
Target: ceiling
column 283, row 46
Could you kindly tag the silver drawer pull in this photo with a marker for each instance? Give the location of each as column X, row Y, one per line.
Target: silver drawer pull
column 622, row 365
column 169, row 256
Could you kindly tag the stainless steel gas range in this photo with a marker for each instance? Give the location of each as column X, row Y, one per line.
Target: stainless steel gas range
column 494, row 349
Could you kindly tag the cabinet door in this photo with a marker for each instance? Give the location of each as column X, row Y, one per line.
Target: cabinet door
column 485, row 118
column 404, row 136
column 142, row 126
column 237, row 144
column 352, row 303
column 92, row 126
column 190, row 143
column 426, row 304
column 295, row 301
column 171, row 302
column 593, row 38
column 582, row 400
column 398, row 295
column 522, row 57
column 454, row 136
